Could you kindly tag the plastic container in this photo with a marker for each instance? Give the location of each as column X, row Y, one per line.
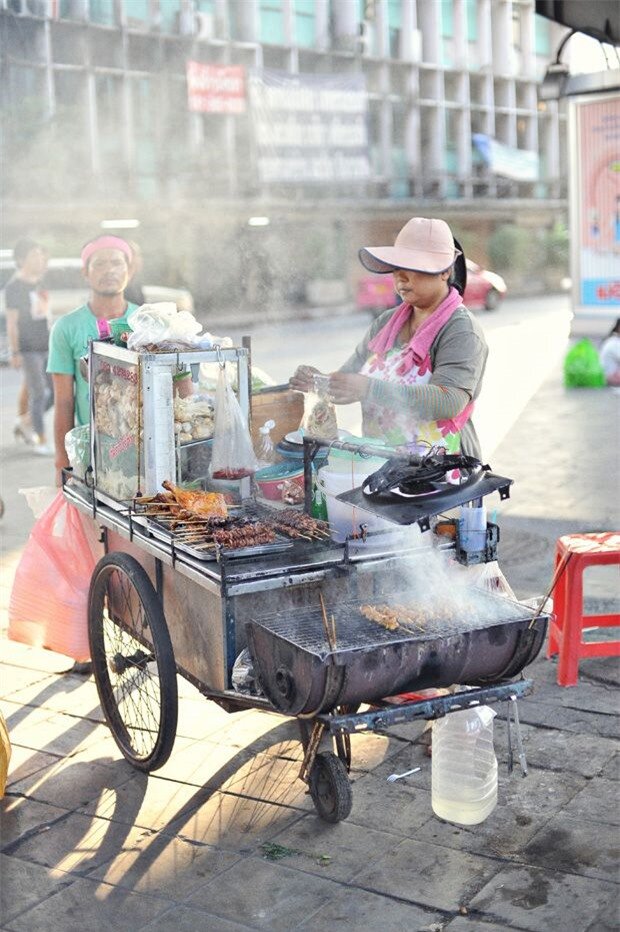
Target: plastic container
column 341, row 474
column 464, row 766
column 473, row 528
column 269, row 479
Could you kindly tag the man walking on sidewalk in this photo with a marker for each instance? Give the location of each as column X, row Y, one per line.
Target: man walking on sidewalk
column 27, row 309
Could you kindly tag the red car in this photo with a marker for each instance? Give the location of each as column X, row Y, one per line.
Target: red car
column 484, row 290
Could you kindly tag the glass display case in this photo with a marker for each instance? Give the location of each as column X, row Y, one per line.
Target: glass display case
column 153, row 417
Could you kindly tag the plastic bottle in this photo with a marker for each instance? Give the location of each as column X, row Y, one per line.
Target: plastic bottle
column 464, row 766
column 318, row 507
column 266, row 453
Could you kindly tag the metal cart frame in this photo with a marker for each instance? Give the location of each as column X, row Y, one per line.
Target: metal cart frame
column 136, row 654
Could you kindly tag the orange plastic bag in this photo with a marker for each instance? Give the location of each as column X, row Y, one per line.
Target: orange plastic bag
column 49, row 600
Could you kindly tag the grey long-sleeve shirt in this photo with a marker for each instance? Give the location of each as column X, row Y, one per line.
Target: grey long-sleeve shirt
column 458, row 358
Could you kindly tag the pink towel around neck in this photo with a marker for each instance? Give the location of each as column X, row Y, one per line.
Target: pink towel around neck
column 418, row 347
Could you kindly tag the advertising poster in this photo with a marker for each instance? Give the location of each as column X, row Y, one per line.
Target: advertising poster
column 597, row 194
column 309, row 128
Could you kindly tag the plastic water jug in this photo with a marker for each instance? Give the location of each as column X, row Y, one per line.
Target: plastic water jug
column 464, row 766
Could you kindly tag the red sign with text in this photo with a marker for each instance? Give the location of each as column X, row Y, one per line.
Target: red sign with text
column 215, row 88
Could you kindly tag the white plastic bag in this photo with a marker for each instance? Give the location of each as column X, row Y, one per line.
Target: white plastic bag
column 233, row 456
column 39, row 498
column 161, row 325
column 319, row 420
column 77, row 445
column 489, row 578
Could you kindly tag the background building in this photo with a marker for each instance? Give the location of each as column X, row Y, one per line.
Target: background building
column 99, row 125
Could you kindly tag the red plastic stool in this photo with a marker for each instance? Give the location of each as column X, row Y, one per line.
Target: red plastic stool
column 574, row 553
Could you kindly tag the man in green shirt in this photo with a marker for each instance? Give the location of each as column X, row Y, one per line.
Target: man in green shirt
column 106, row 263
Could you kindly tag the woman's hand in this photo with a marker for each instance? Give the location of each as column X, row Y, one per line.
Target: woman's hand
column 301, row 380
column 347, row 387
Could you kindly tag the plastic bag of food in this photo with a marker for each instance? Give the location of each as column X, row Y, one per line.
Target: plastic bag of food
column 582, row 366
column 161, row 325
column 233, row 456
column 319, row 420
column 49, row 599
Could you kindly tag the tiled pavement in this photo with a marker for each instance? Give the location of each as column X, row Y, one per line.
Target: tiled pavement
column 224, row 838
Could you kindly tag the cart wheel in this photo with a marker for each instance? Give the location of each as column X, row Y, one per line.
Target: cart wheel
column 133, row 661
column 330, row 788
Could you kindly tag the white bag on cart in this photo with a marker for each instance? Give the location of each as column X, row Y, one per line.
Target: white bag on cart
column 160, row 324
column 233, row 455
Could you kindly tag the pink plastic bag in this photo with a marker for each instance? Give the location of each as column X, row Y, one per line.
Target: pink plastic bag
column 49, row 600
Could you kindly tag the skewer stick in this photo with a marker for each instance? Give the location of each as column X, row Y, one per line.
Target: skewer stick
column 330, row 630
column 333, row 631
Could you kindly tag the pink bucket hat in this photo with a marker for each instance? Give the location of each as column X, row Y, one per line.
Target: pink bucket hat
column 422, row 245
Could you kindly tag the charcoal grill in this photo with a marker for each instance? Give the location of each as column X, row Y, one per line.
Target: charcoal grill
column 301, row 672
column 158, row 608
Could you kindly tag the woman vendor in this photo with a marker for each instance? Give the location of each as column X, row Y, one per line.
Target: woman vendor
column 419, row 368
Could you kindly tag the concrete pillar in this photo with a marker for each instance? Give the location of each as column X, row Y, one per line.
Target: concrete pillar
column 321, row 25
column 288, row 21
column 528, row 45
column 91, row 105
column 221, row 19
column 346, row 23
column 428, row 21
column 485, row 42
column 245, row 15
column 382, row 29
column 49, row 71
column 501, row 32
column 409, row 50
column 459, row 33
column 412, row 140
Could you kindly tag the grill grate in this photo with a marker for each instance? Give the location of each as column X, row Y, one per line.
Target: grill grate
column 304, row 628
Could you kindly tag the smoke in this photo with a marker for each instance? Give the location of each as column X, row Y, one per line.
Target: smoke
column 431, row 581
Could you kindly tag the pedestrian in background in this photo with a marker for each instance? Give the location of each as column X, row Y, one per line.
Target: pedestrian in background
column 27, row 310
column 106, row 263
column 609, row 355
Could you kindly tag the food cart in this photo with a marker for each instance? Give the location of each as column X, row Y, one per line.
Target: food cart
column 331, row 631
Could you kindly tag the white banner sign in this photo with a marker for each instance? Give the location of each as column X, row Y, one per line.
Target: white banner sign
column 310, row 128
